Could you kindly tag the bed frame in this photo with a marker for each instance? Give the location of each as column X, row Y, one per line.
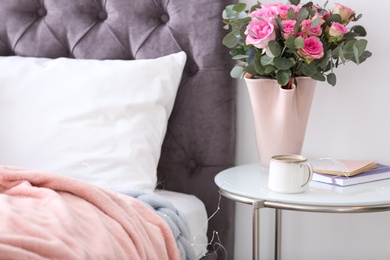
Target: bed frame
column 200, row 140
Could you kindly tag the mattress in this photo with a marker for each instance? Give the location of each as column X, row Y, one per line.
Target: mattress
column 195, row 213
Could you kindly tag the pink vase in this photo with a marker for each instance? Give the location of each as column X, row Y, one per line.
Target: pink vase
column 280, row 115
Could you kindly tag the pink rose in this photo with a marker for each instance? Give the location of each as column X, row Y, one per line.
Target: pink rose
column 306, row 28
column 267, row 13
column 345, row 12
column 288, row 28
column 260, row 33
column 337, row 29
column 313, row 49
column 283, row 10
column 319, row 16
column 301, row 34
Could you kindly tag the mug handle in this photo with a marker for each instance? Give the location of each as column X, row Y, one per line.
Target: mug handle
column 310, row 175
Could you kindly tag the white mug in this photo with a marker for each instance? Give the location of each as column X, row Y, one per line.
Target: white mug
column 289, row 173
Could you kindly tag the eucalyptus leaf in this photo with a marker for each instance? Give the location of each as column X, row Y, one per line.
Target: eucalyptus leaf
column 308, row 4
column 331, row 79
column 228, row 12
column 341, row 56
column 269, row 69
column 290, row 42
column 303, row 14
column 239, row 57
column 239, row 7
column 295, row 2
column 230, row 40
column 259, row 68
column 275, row 48
column 356, row 54
column 318, row 76
column 323, row 64
column 283, row 63
column 296, row 28
column 348, row 49
column 360, row 30
column 266, row 60
column 283, row 77
column 249, row 69
column 291, row 14
column 315, row 22
column 333, row 18
column 299, row 42
column 309, row 69
column 237, row 72
column 361, row 45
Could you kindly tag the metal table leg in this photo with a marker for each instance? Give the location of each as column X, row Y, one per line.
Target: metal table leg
column 278, row 233
column 255, row 230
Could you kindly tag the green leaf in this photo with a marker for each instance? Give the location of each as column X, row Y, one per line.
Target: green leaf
column 356, row 54
column 365, row 56
column 239, row 7
column 237, row 72
column 291, row 14
column 303, row 14
column 296, row 28
column 308, row 4
column 318, row 76
column 283, row 77
column 249, row 69
column 315, row 22
column 228, row 13
column 239, row 57
column 360, row 30
column 341, row 55
column 259, row 68
column 269, row 69
column 331, row 79
column 254, row 7
column 299, row 42
column 266, row 60
column 348, row 49
column 361, row 45
column 283, row 63
column 295, row 2
column 358, row 17
column 230, row 40
column 333, row 18
column 290, row 42
column 309, row 69
column 325, row 60
column 275, row 48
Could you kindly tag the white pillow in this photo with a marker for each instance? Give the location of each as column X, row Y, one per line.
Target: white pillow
column 100, row 121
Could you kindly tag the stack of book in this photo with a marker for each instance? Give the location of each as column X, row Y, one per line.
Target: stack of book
column 349, row 172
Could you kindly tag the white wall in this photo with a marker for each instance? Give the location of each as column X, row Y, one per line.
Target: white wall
column 350, row 120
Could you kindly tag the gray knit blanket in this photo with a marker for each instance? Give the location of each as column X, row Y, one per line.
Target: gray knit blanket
column 173, row 217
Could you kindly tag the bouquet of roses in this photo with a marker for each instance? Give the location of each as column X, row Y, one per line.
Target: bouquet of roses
column 285, row 41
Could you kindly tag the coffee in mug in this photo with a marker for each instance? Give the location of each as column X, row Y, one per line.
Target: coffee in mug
column 289, row 173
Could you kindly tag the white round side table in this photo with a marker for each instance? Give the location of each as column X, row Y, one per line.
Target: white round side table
column 249, row 184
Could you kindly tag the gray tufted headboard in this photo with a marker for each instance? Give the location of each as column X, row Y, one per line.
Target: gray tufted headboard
column 201, row 134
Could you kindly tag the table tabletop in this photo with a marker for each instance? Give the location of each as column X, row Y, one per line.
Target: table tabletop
column 251, row 181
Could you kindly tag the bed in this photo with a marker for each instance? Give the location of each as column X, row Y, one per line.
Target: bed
column 123, row 108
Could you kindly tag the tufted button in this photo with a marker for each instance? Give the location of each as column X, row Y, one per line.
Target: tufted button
column 41, row 12
column 194, row 69
column 102, row 15
column 164, row 18
column 192, row 164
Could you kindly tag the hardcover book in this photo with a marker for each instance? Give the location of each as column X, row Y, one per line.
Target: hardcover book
column 381, row 172
column 343, row 167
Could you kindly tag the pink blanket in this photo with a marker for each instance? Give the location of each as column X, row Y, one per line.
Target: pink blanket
column 45, row 215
